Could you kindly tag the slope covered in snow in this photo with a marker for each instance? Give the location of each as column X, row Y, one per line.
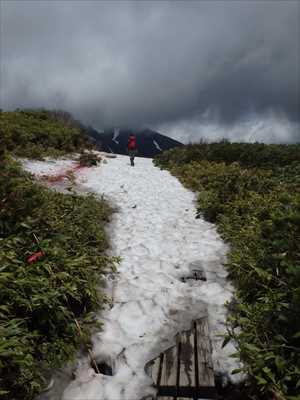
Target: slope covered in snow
column 160, row 241
column 157, row 145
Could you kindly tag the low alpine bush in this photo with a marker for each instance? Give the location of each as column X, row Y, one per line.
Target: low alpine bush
column 254, row 198
column 52, row 256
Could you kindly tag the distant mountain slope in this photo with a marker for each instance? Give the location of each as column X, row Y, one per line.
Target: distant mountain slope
column 149, row 143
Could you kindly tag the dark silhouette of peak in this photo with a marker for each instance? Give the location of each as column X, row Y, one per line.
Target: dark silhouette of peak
column 149, row 142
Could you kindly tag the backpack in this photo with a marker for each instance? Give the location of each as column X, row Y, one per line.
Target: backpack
column 131, row 143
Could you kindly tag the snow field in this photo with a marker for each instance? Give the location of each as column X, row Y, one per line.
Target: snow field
column 48, row 167
column 159, row 240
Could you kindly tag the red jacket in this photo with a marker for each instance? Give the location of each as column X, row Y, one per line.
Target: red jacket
column 131, row 143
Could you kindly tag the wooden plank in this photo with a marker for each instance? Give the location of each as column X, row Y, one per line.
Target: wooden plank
column 169, row 369
column 154, row 369
column 199, row 275
column 205, row 392
column 187, row 360
column 205, row 365
column 185, row 370
column 196, row 275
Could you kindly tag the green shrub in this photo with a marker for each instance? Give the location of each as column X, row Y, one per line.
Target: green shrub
column 257, row 210
column 40, row 301
column 89, row 159
column 37, row 133
column 246, row 154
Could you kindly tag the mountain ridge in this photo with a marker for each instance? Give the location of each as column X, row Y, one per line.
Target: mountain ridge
column 149, row 143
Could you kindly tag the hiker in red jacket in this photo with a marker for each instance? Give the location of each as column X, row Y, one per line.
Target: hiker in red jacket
column 132, row 150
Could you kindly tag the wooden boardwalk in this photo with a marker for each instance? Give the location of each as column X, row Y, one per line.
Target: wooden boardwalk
column 185, row 370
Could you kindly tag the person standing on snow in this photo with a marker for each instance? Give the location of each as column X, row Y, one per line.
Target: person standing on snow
column 132, row 149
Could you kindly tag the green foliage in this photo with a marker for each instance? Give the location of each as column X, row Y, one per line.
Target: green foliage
column 89, row 159
column 246, row 154
column 257, row 210
column 40, row 301
column 37, row 133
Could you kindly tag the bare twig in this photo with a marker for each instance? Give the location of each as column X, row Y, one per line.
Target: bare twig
column 36, row 239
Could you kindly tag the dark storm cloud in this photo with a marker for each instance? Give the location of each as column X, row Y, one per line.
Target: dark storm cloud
column 157, row 63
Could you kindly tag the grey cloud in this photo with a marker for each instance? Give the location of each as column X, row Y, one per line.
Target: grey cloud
column 269, row 127
column 153, row 63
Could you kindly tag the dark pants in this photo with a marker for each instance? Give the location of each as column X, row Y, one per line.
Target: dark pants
column 132, row 154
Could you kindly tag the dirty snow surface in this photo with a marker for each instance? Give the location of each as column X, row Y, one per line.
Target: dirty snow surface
column 156, row 234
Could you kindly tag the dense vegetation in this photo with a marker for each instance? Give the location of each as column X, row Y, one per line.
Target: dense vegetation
column 247, row 155
column 52, row 260
column 36, row 133
column 252, row 193
column 88, row 159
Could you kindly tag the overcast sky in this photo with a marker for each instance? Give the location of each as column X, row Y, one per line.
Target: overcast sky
column 192, row 69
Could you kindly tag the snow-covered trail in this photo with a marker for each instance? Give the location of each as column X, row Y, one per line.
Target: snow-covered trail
column 156, row 234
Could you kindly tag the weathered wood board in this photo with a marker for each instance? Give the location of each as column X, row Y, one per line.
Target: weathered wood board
column 185, row 370
column 196, row 275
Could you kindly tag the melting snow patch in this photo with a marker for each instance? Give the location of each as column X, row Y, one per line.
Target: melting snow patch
column 160, row 241
column 157, row 145
column 49, row 167
column 115, row 135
